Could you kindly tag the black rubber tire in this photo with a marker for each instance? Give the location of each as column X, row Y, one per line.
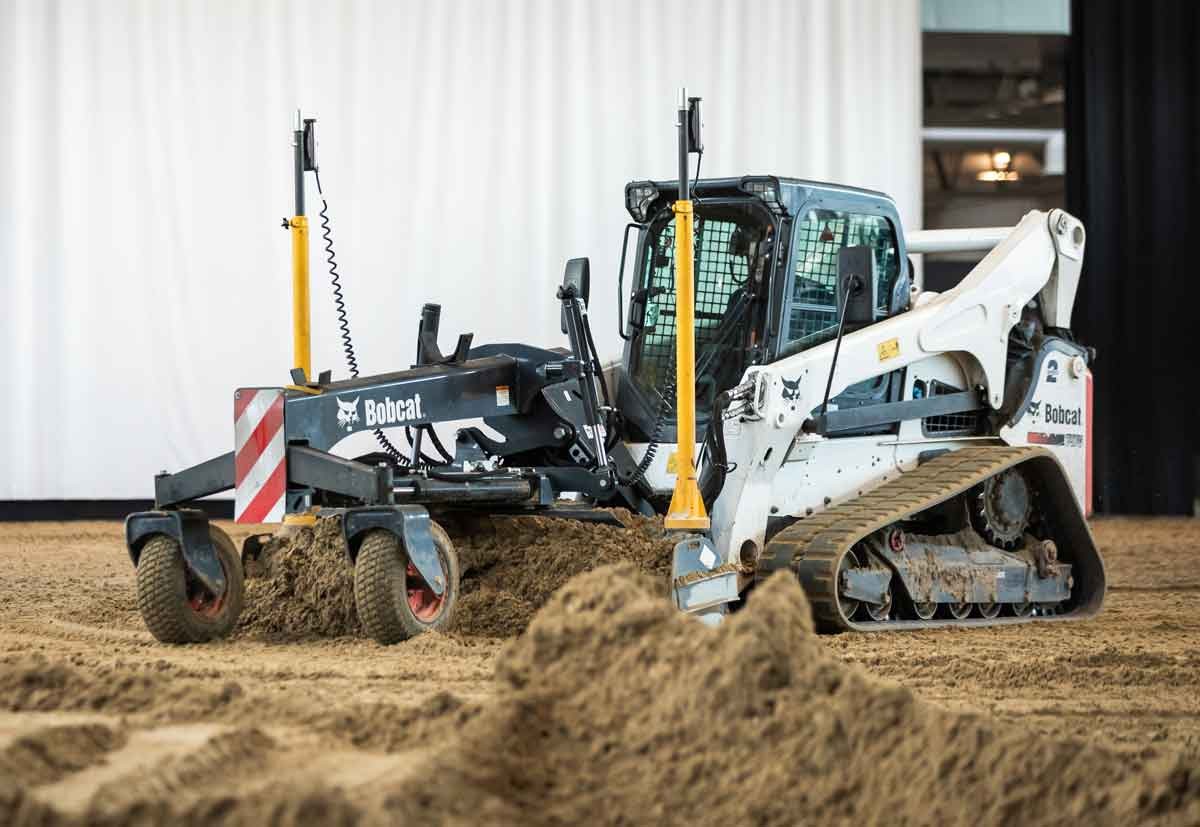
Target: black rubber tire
column 162, row 591
column 381, row 587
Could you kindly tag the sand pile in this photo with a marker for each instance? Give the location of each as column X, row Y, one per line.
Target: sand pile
column 512, row 565
column 615, row 709
column 612, row 708
column 35, row 683
column 302, row 586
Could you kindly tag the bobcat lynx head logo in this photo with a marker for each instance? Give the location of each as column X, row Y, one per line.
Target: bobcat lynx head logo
column 347, row 412
column 1035, row 408
column 791, row 390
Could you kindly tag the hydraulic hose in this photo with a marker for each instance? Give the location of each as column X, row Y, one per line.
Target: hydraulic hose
column 339, row 304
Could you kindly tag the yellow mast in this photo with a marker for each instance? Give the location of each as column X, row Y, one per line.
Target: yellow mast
column 301, row 314
column 687, row 505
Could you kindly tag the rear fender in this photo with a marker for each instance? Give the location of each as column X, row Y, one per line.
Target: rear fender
column 188, row 527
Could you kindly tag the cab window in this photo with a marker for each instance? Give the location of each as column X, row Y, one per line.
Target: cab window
column 811, row 302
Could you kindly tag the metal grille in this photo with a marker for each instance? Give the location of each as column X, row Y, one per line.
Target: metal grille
column 813, row 314
column 718, row 274
column 959, row 424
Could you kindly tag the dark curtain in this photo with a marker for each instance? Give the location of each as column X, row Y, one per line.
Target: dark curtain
column 1133, row 177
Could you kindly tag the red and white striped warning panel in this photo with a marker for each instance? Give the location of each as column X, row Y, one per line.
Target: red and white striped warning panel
column 260, row 456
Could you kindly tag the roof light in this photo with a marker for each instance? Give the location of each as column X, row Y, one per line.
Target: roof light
column 765, row 187
column 639, row 197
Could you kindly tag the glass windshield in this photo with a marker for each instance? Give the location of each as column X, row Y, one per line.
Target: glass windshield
column 812, row 303
column 733, row 244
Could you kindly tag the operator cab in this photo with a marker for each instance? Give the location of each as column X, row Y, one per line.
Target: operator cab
column 766, row 253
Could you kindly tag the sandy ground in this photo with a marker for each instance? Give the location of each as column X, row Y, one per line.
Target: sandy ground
column 95, row 715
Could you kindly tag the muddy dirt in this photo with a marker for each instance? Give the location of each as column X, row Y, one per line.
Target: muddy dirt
column 512, row 565
column 608, row 708
column 301, row 586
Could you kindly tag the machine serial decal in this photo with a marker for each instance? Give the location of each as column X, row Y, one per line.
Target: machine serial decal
column 347, row 414
column 1066, row 440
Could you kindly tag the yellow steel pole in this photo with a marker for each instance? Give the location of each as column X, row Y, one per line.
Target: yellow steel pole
column 301, row 315
column 687, row 505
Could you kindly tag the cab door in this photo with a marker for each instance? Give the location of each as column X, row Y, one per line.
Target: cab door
column 808, row 306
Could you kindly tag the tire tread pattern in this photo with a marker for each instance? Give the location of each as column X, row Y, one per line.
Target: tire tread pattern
column 379, row 573
column 162, row 591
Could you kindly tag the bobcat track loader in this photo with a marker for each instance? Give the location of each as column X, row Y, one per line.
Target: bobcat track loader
column 928, row 466
column 913, row 458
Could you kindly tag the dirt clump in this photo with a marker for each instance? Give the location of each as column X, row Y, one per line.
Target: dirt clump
column 183, row 779
column 301, row 586
column 512, row 565
column 52, row 753
column 387, row 727
column 34, row 683
column 614, row 708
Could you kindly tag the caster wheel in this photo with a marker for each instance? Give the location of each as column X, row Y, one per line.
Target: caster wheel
column 175, row 606
column 394, row 603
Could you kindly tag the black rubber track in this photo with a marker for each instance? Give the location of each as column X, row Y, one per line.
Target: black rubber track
column 814, row 547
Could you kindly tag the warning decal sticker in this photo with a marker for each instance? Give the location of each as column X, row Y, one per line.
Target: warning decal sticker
column 888, row 350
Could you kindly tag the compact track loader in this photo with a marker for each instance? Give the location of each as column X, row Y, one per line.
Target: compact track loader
column 914, row 458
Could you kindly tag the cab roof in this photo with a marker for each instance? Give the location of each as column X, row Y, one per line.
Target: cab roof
column 783, row 195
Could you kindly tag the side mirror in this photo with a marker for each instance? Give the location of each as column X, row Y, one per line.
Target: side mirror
column 577, row 284
column 577, row 279
column 856, row 285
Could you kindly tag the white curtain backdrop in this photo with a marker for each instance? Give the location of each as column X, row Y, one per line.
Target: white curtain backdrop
column 467, row 148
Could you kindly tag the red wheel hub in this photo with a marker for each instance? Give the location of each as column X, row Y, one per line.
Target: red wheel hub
column 202, row 601
column 423, row 602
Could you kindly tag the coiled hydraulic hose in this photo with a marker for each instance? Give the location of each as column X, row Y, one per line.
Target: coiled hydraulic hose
column 339, row 304
column 666, row 399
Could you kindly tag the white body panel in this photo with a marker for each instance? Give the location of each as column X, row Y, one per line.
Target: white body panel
column 1059, row 418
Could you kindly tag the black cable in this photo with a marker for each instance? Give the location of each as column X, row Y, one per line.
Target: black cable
column 665, row 400
column 696, row 180
column 447, row 457
column 339, row 302
column 428, row 431
column 853, row 285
